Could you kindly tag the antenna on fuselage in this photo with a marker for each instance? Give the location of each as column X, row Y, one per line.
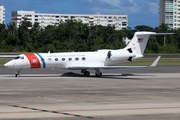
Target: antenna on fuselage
column 49, row 52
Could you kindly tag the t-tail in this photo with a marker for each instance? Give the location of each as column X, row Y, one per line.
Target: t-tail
column 139, row 42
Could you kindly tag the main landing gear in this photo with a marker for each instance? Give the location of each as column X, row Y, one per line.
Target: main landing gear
column 98, row 75
column 87, row 73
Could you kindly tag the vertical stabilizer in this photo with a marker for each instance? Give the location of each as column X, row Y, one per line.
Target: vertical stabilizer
column 139, row 42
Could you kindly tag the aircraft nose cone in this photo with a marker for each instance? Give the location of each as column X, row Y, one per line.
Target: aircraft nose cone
column 8, row 64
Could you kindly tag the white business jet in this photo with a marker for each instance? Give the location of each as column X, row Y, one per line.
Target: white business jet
column 100, row 59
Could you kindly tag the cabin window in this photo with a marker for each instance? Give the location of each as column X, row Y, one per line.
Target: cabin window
column 83, row 58
column 76, row 58
column 70, row 59
column 56, row 59
column 63, row 59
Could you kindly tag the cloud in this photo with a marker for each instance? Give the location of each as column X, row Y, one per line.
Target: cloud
column 114, row 6
column 153, row 7
column 105, row 10
column 90, row 0
column 125, row 6
column 115, row 3
column 147, row 6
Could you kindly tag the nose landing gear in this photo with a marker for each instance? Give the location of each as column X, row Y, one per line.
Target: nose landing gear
column 18, row 73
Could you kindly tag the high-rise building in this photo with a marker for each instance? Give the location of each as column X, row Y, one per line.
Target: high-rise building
column 169, row 13
column 44, row 19
column 2, row 14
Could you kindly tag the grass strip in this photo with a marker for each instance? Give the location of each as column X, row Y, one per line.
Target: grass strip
column 149, row 61
column 141, row 61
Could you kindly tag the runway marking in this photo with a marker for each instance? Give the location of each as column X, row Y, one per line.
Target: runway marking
column 145, row 108
column 148, row 108
column 56, row 112
column 17, row 112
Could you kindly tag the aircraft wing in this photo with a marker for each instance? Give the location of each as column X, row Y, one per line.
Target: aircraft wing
column 104, row 67
column 114, row 67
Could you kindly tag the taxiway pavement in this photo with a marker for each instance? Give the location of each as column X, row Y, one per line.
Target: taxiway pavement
column 151, row 94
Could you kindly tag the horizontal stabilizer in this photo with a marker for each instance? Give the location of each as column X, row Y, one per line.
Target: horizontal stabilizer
column 155, row 62
column 164, row 33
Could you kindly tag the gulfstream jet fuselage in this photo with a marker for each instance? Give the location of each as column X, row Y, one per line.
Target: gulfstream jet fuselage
column 100, row 59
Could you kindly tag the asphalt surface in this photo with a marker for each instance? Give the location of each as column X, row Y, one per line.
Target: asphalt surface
column 65, row 72
column 45, row 94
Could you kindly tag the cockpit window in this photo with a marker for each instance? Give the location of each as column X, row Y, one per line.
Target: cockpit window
column 17, row 57
column 22, row 57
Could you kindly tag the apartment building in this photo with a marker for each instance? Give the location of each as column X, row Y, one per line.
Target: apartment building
column 2, row 14
column 44, row 19
column 169, row 13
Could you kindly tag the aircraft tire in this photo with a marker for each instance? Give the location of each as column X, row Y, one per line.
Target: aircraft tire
column 87, row 73
column 15, row 75
column 99, row 75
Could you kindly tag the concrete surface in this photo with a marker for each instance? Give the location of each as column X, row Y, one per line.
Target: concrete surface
column 116, row 96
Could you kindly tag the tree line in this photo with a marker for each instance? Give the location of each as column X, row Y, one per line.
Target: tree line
column 73, row 35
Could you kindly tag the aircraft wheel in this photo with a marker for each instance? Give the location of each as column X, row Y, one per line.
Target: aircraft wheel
column 87, row 73
column 17, row 75
column 98, row 75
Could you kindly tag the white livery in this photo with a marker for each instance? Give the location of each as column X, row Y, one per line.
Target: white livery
column 100, row 59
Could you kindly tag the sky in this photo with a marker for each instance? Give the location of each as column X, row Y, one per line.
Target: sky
column 140, row 12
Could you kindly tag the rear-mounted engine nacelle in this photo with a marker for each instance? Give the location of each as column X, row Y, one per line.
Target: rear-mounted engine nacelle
column 120, row 55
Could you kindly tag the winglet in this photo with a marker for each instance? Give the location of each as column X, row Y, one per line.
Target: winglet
column 155, row 62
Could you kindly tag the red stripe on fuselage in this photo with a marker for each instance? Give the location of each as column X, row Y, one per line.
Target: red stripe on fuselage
column 33, row 60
